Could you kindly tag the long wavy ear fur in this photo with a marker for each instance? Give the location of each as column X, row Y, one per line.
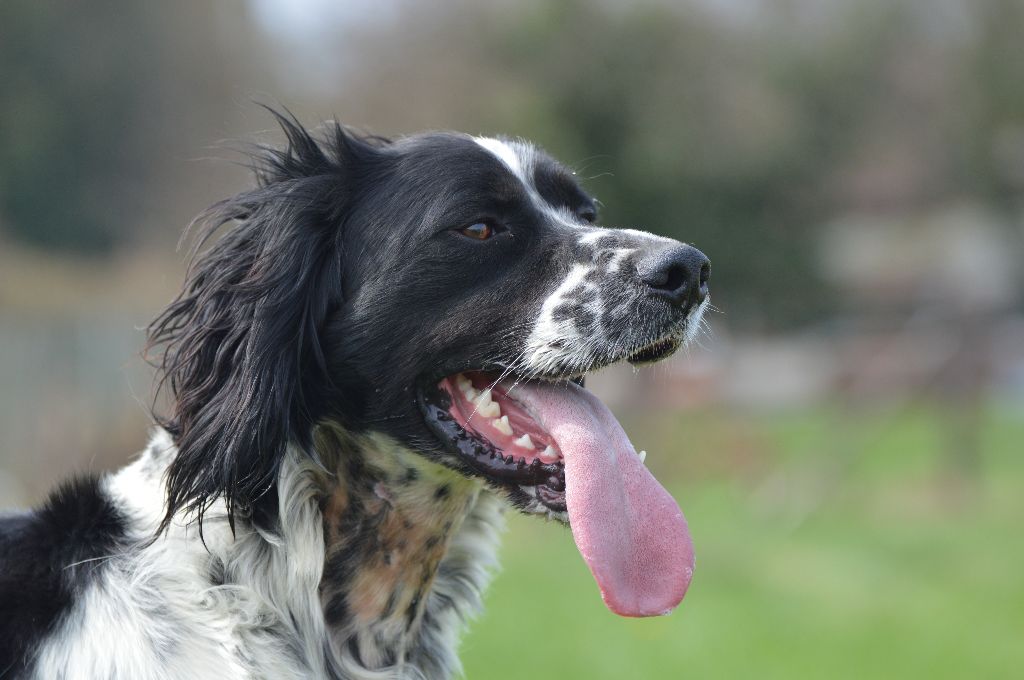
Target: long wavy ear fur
column 242, row 357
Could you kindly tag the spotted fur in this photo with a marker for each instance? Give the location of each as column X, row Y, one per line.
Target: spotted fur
column 371, row 573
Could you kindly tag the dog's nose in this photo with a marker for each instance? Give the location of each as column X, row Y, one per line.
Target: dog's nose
column 678, row 274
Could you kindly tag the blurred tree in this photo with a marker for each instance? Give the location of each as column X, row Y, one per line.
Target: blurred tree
column 72, row 76
column 742, row 130
column 992, row 95
column 101, row 105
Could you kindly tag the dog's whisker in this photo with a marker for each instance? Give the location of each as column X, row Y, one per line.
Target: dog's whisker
column 88, row 560
column 501, row 377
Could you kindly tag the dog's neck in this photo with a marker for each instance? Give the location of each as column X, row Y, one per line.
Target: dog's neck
column 402, row 566
column 377, row 558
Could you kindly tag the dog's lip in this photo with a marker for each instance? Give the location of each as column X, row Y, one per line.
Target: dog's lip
column 655, row 351
column 478, row 455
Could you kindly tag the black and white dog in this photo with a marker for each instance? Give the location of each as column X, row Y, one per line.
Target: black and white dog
column 384, row 350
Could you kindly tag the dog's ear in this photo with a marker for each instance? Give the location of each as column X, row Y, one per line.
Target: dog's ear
column 242, row 358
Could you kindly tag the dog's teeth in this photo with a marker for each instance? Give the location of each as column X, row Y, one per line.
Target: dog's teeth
column 485, row 406
column 502, row 425
column 549, row 454
column 643, row 456
column 491, row 410
column 525, row 442
column 466, row 387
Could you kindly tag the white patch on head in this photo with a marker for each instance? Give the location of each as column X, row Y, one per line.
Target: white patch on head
column 517, row 156
column 593, row 235
column 648, row 236
column 520, row 157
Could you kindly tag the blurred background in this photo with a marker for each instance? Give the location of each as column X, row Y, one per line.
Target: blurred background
column 848, row 439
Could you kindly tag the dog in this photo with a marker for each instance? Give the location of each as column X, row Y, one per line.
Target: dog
column 378, row 349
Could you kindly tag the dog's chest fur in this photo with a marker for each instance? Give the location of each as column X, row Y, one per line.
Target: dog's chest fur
column 370, row 574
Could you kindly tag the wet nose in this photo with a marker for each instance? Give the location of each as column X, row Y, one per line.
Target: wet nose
column 679, row 274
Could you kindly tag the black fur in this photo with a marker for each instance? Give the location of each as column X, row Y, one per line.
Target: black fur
column 47, row 559
column 340, row 269
column 243, row 354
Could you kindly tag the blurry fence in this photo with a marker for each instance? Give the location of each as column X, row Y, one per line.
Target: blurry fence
column 73, row 397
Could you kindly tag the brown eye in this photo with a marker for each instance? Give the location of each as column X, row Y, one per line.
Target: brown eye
column 480, row 231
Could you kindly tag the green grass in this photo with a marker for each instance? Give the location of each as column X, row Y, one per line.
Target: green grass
column 829, row 545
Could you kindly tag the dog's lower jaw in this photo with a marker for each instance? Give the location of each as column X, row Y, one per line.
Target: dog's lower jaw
column 301, row 601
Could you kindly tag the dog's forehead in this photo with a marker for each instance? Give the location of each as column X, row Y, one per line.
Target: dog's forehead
column 450, row 164
column 440, row 147
column 538, row 172
column 518, row 156
column 447, row 170
column 523, row 160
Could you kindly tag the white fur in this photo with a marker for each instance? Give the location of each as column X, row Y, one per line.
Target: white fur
column 558, row 346
column 552, row 342
column 694, row 321
column 507, row 155
column 154, row 612
column 520, row 157
column 646, row 235
column 592, row 236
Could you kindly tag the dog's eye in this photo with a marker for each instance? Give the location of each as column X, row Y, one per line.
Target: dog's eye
column 481, row 231
column 587, row 214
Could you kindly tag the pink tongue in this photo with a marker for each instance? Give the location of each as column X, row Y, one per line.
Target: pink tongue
column 629, row 530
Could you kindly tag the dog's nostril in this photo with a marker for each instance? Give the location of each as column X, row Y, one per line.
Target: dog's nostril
column 678, row 274
column 673, row 278
column 705, row 274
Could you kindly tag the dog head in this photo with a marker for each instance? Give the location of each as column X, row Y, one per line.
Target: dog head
column 449, row 292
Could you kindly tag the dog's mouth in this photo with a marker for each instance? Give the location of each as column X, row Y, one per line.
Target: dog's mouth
column 497, row 435
column 557, row 445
